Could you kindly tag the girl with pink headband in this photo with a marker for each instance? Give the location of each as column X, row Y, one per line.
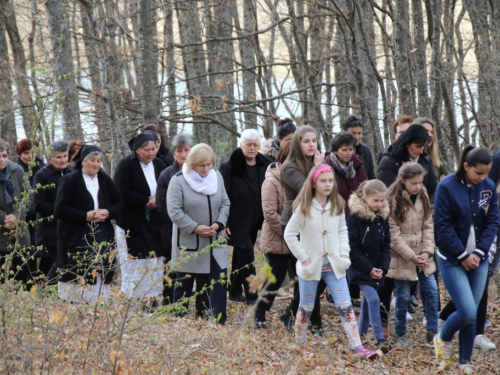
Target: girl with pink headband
column 322, row 253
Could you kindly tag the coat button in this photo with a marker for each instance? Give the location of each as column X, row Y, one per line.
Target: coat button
column 325, row 255
column 324, row 232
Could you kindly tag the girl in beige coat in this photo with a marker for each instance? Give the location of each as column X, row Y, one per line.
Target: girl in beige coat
column 412, row 245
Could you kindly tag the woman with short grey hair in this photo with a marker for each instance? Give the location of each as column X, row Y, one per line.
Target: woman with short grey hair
column 48, row 179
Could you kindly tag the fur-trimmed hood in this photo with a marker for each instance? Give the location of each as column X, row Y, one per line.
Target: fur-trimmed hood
column 359, row 207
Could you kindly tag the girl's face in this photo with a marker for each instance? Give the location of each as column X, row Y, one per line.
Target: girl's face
column 375, row 201
column 309, row 144
column 344, row 153
column 413, row 185
column 27, row 157
column 324, row 185
column 475, row 175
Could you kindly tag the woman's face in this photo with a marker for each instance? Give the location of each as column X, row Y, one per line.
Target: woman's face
column 147, row 153
column 475, row 175
column 158, row 141
column 285, row 141
column 4, row 159
column 203, row 169
column 92, row 165
column 309, row 144
column 27, row 157
column 430, row 131
column 250, row 149
column 344, row 153
column 181, row 154
column 415, row 150
column 59, row 160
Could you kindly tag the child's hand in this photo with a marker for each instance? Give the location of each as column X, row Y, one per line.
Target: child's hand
column 376, row 273
column 417, row 260
column 306, row 262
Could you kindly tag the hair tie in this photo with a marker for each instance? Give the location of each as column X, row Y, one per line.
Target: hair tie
column 321, row 169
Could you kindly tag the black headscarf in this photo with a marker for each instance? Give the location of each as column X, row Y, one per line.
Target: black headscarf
column 84, row 152
column 140, row 139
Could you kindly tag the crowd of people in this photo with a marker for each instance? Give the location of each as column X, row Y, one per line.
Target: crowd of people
column 330, row 220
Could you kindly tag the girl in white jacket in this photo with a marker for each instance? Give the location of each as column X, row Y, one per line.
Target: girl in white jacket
column 322, row 252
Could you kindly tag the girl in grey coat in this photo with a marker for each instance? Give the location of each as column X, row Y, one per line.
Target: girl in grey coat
column 198, row 205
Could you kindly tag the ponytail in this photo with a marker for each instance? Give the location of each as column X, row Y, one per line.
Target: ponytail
column 472, row 156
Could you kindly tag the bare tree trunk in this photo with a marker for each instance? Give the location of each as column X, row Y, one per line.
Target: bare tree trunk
column 419, row 60
column 170, row 65
column 7, row 121
column 402, row 47
column 64, row 71
column 488, row 110
column 247, row 53
column 148, row 61
column 23, row 93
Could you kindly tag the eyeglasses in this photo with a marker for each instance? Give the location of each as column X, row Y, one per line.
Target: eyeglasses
column 251, row 145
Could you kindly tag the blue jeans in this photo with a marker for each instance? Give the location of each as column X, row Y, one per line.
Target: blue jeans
column 429, row 289
column 340, row 293
column 370, row 312
column 466, row 289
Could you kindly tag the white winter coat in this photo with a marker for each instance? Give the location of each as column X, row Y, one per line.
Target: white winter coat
column 321, row 236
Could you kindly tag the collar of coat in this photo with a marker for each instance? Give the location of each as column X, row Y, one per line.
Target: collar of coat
column 239, row 164
column 358, row 206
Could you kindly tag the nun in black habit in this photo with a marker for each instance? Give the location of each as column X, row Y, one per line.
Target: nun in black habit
column 86, row 202
column 138, row 229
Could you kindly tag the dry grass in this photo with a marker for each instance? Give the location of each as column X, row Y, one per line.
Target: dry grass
column 40, row 334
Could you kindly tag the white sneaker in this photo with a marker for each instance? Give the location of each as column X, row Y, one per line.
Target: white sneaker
column 466, row 368
column 482, row 342
column 408, row 316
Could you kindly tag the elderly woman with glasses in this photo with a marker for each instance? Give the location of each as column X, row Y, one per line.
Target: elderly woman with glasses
column 86, row 202
column 244, row 175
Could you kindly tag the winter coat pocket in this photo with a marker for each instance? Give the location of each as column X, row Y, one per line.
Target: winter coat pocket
column 305, row 273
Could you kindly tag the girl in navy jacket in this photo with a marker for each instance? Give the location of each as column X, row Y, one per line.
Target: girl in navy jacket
column 466, row 222
column 369, row 240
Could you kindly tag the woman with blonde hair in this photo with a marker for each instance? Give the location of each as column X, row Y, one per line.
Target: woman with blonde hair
column 199, row 207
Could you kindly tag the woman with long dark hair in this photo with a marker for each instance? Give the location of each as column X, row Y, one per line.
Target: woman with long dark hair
column 466, row 220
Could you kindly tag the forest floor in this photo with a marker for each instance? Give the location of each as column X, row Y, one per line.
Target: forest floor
column 40, row 334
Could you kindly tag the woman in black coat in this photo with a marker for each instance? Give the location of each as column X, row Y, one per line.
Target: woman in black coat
column 86, row 202
column 244, row 175
column 48, row 179
column 138, row 229
column 408, row 147
column 163, row 152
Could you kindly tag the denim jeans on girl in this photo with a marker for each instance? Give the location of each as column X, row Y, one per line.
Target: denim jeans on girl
column 370, row 312
column 465, row 289
column 429, row 289
column 340, row 293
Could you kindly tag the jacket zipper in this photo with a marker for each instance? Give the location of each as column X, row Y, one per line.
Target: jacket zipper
column 367, row 230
